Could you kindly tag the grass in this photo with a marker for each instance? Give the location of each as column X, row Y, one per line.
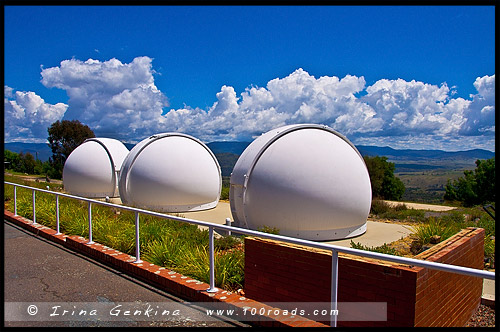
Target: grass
column 169, row 243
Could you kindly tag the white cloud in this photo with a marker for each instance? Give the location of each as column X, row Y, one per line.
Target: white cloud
column 112, row 98
column 480, row 114
column 392, row 112
column 27, row 116
column 121, row 100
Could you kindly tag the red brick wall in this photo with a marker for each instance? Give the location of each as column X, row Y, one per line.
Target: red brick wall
column 448, row 299
column 281, row 272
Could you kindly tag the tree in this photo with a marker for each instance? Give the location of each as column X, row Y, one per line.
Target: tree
column 64, row 137
column 21, row 162
column 475, row 187
column 384, row 184
column 13, row 161
column 29, row 163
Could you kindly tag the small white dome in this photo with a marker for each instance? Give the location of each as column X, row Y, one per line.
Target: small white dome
column 306, row 180
column 92, row 169
column 171, row 172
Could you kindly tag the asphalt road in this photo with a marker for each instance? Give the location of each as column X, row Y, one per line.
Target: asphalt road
column 39, row 272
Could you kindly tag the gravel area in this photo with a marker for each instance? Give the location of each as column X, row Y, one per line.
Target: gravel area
column 483, row 317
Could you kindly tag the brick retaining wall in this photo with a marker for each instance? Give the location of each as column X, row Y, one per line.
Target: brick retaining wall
column 281, row 272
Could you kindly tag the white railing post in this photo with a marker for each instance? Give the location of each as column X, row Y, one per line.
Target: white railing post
column 15, row 200
column 212, row 288
column 34, row 210
column 57, row 216
column 333, row 306
column 90, row 223
column 228, row 223
column 137, row 244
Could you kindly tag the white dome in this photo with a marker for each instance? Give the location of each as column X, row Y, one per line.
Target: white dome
column 306, row 180
column 92, row 169
column 171, row 172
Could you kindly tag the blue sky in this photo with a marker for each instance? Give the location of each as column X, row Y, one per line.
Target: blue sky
column 406, row 77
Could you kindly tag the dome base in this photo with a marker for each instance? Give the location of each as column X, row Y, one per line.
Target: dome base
column 327, row 235
column 178, row 208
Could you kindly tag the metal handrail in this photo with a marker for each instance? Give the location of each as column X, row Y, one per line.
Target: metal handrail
column 211, row 226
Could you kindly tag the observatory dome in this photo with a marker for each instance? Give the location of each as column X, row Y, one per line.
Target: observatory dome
column 306, row 180
column 92, row 169
column 171, row 172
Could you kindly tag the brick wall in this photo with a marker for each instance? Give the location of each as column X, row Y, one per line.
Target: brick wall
column 281, row 272
column 448, row 299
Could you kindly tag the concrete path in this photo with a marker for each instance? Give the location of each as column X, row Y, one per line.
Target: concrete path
column 38, row 271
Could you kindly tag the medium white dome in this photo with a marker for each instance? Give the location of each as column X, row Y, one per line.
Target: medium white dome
column 92, row 169
column 171, row 172
column 306, row 180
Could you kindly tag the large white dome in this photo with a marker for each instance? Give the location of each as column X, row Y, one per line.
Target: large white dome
column 92, row 169
column 171, row 172
column 306, row 180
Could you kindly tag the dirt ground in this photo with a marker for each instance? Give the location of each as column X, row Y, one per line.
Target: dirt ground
column 34, row 178
column 419, row 206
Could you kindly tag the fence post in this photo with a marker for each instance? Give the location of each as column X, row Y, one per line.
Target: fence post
column 333, row 308
column 228, row 223
column 212, row 288
column 137, row 244
column 57, row 216
column 90, row 223
column 34, row 210
column 15, row 200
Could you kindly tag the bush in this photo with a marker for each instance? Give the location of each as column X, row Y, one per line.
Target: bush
column 424, row 232
column 379, row 207
column 268, row 229
column 384, row 249
column 226, row 242
column 399, row 212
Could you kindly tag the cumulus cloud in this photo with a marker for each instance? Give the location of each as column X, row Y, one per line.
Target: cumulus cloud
column 114, row 99
column 480, row 115
column 27, row 116
column 297, row 98
column 397, row 113
column 121, row 100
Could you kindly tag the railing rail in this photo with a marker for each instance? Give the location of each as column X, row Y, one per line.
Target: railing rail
column 211, row 226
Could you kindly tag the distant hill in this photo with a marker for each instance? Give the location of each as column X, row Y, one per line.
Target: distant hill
column 416, row 154
column 40, row 150
column 228, row 152
column 228, row 147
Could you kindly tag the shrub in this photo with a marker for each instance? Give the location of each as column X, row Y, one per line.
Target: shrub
column 379, row 207
column 400, row 211
column 424, row 232
column 268, row 229
column 384, row 249
column 226, row 242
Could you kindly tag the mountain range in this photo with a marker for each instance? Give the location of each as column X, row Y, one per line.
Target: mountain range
column 227, row 153
column 366, row 150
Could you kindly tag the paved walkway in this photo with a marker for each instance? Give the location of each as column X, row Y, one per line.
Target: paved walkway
column 38, row 271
